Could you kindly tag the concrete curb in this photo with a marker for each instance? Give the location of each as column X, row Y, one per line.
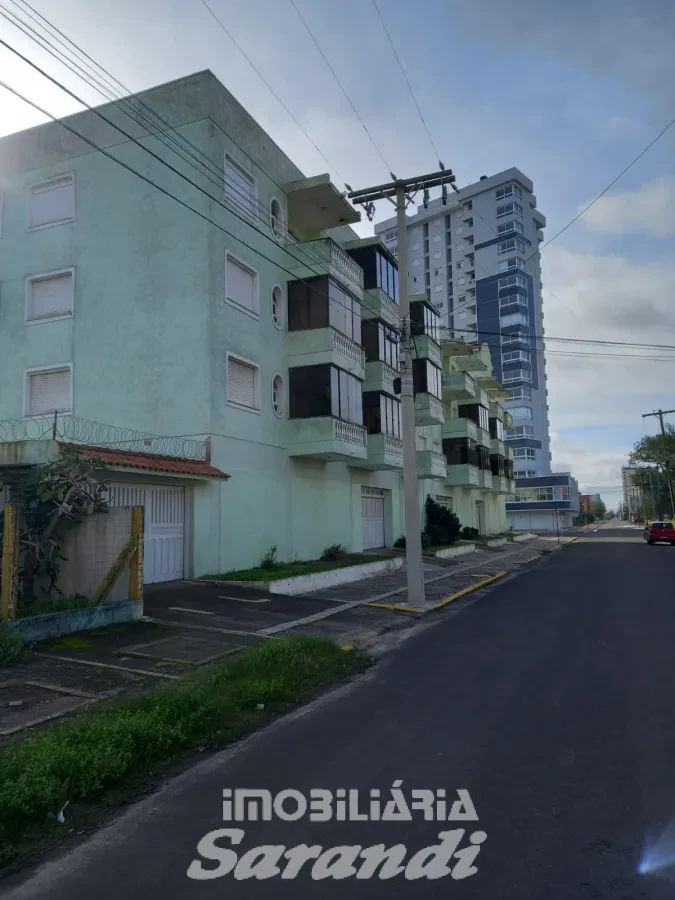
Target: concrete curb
column 70, row 621
column 450, row 552
column 468, row 590
column 317, row 581
column 519, row 538
column 497, row 542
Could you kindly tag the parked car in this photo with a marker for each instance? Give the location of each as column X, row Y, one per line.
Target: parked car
column 660, row 532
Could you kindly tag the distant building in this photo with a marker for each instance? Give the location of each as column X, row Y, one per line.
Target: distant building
column 632, row 492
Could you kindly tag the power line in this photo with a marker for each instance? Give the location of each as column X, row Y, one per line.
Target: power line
column 270, row 88
column 543, row 338
column 403, row 72
column 55, row 81
column 347, row 97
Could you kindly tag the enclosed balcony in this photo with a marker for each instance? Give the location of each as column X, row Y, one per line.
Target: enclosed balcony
column 460, row 428
column 327, row 438
column 431, row 464
column 382, row 356
column 427, row 387
column 384, row 452
column 458, row 386
column 380, row 279
column 380, row 377
column 428, row 410
column 324, row 257
column 485, row 479
column 497, row 447
column 462, row 475
column 425, row 347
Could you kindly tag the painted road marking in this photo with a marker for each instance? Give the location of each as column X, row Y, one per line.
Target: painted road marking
column 187, row 609
column 468, row 590
column 246, row 599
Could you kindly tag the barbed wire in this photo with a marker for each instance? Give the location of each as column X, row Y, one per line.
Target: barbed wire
column 72, row 429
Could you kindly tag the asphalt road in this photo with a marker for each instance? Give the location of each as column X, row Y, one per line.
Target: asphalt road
column 552, row 700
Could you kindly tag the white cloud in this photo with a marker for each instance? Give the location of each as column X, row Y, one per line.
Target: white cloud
column 598, row 471
column 649, row 209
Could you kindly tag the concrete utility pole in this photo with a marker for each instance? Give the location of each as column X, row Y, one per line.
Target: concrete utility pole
column 401, row 192
column 660, row 413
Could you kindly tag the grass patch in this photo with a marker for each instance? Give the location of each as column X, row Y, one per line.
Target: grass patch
column 288, row 570
column 109, row 747
column 52, row 604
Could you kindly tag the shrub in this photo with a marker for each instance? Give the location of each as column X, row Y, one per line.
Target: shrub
column 399, row 543
column 442, row 524
column 335, row 551
column 11, row 644
column 426, row 541
column 470, row 534
column 269, row 560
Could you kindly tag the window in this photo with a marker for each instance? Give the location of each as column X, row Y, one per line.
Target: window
column 524, row 453
column 468, row 205
column 320, row 303
column 391, row 235
column 278, row 396
column 510, row 281
column 277, row 218
column 380, row 343
column 461, row 281
column 278, row 311
column 516, row 356
column 526, row 473
column 240, row 187
column 516, row 375
column 50, row 296
column 515, row 337
column 513, row 300
column 52, row 202
column 423, row 320
column 414, row 263
column 318, row 391
column 510, row 246
column 421, row 439
column 387, row 275
column 511, row 190
column 437, row 254
column 519, row 393
column 381, row 414
column 344, row 312
column 241, row 286
column 513, row 262
column 243, row 383
column 509, row 209
column 48, row 390
column 426, row 378
column 437, row 239
column 469, row 223
column 521, row 412
column 415, row 247
column 459, row 230
column 438, row 288
column 459, row 265
column 519, row 318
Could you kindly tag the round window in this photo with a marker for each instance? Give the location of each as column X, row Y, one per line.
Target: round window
column 277, row 218
column 278, row 306
column 278, row 396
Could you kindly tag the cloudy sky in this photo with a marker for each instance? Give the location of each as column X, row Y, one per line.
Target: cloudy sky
column 570, row 93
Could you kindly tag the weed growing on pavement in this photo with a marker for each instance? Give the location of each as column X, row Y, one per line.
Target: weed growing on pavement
column 11, row 644
column 103, row 748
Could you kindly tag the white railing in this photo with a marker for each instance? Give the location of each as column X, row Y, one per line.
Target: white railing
column 393, row 446
column 325, row 250
column 389, row 374
column 348, row 348
column 388, row 304
column 345, row 264
column 435, row 408
column 349, row 433
column 486, row 478
column 472, row 474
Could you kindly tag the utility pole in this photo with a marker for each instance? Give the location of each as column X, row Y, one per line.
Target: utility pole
column 660, row 413
column 401, row 192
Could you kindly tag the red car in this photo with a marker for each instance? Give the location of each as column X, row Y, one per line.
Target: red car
column 660, row 531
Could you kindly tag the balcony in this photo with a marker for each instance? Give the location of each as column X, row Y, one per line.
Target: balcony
column 500, row 484
column 431, row 464
column 377, row 304
column 508, row 419
column 327, row 439
column 380, row 377
column 321, row 346
column 425, row 347
column 497, row 447
column 460, row 428
column 384, row 452
column 496, row 410
column 508, row 452
column 325, row 257
column 315, row 204
column 485, row 479
column 463, row 476
column 458, row 386
column 428, row 410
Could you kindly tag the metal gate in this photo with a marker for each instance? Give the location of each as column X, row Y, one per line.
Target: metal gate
column 372, row 510
column 164, row 526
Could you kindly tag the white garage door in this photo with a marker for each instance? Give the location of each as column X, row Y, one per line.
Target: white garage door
column 372, row 508
column 164, row 527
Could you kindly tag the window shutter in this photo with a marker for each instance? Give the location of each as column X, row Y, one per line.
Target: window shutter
column 239, row 186
column 241, row 285
column 51, row 296
column 49, row 392
column 242, row 383
column 52, row 202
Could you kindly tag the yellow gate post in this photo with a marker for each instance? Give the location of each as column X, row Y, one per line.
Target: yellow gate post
column 10, row 563
column 136, row 564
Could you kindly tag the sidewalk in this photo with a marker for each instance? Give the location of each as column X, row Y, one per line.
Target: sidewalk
column 188, row 625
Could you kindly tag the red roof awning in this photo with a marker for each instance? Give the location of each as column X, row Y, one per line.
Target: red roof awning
column 150, row 462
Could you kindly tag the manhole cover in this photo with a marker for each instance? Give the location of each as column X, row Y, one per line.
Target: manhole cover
column 184, row 649
column 27, row 703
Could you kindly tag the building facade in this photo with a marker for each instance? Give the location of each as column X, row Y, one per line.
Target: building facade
column 237, row 359
column 476, row 258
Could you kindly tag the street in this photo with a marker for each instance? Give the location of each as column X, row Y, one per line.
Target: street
column 550, row 700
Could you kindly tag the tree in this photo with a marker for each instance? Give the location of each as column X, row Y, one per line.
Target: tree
column 442, row 524
column 656, row 452
column 599, row 509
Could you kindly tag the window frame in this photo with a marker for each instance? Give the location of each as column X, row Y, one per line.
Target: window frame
column 280, row 325
column 254, row 314
column 247, row 362
column 281, row 220
column 40, row 370
column 44, row 276
column 284, row 408
column 32, row 187
column 254, row 194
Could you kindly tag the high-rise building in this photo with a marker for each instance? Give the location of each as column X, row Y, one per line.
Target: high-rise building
column 475, row 257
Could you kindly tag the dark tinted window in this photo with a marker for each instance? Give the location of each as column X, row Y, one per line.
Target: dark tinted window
column 317, row 391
